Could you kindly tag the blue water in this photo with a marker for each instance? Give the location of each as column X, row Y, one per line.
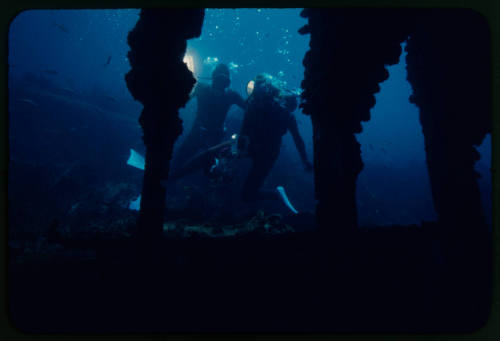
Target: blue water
column 85, row 51
column 77, row 48
column 252, row 41
column 392, row 148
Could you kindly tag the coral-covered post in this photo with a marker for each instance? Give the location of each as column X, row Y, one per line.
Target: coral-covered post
column 350, row 49
column 161, row 82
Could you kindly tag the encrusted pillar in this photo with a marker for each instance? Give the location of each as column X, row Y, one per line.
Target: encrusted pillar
column 449, row 70
column 349, row 49
column 161, row 82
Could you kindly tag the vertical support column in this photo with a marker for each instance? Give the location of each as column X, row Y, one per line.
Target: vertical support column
column 449, row 70
column 162, row 83
column 337, row 161
column 349, row 51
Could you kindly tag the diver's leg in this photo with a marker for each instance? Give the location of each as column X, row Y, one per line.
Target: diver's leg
column 187, row 149
column 262, row 165
column 203, row 160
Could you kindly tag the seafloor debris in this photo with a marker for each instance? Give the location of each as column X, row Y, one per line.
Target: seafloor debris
column 261, row 223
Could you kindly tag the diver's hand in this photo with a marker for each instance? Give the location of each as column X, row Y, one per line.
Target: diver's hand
column 308, row 166
column 242, row 144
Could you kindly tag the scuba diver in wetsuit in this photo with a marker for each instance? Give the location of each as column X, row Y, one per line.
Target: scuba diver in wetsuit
column 213, row 102
column 267, row 118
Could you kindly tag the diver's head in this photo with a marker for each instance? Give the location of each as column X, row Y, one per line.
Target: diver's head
column 263, row 86
column 220, row 77
column 268, row 88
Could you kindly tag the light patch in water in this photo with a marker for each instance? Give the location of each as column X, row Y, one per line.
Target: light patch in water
column 210, row 60
column 189, row 61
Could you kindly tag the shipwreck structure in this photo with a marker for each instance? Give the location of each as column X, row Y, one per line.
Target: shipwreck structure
column 449, row 70
column 161, row 82
column 339, row 277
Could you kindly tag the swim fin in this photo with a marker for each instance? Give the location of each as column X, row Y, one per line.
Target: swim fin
column 136, row 160
column 135, row 204
column 284, row 197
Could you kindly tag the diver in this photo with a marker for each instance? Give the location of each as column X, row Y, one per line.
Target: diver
column 267, row 118
column 213, row 103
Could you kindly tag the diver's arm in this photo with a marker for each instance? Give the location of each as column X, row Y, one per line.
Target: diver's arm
column 239, row 101
column 244, row 130
column 243, row 136
column 299, row 142
column 235, row 98
column 247, row 120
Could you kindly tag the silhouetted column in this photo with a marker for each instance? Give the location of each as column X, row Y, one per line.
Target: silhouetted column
column 449, row 70
column 161, row 82
column 349, row 49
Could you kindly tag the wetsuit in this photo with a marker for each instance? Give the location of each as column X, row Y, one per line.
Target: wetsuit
column 208, row 126
column 265, row 122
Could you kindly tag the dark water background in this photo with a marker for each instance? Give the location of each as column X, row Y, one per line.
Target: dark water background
column 72, row 120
